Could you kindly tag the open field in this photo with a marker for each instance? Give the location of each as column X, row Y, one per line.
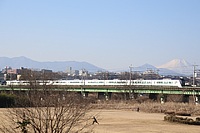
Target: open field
column 121, row 121
column 127, row 121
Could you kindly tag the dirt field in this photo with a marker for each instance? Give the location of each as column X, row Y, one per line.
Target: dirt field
column 119, row 121
column 122, row 121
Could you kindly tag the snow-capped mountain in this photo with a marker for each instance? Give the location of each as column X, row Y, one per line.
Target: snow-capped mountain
column 178, row 65
column 161, row 71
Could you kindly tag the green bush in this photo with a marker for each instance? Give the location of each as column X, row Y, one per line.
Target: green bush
column 7, row 100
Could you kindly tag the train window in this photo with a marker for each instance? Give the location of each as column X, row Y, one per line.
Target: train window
column 75, row 82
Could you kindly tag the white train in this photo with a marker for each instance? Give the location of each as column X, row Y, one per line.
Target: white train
column 95, row 82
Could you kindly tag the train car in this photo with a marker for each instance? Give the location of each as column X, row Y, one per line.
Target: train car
column 116, row 82
column 68, row 82
column 162, row 82
column 167, row 82
column 141, row 82
column 96, row 82
column 17, row 82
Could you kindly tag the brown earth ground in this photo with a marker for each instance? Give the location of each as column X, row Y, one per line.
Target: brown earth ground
column 131, row 121
column 123, row 121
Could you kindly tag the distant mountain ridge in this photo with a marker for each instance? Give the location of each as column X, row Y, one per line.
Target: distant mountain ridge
column 18, row 62
column 161, row 71
column 175, row 67
column 178, row 65
column 175, row 63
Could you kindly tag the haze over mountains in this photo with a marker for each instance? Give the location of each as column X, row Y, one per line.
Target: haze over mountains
column 174, row 67
column 179, row 65
column 18, row 62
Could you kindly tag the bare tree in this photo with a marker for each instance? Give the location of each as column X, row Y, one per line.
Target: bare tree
column 49, row 111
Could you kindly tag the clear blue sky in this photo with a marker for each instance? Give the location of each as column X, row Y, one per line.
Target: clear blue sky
column 111, row 34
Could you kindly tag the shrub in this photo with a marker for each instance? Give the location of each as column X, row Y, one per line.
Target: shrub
column 7, row 100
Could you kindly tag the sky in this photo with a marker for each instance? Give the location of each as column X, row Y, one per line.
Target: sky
column 111, row 34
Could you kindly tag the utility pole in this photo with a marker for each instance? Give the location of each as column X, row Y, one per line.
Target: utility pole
column 83, row 76
column 130, row 67
column 131, row 95
column 194, row 74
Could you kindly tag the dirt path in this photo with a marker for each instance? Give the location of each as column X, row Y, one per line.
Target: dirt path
column 119, row 121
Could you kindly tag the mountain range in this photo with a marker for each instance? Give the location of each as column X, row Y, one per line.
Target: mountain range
column 18, row 62
column 161, row 71
column 174, row 67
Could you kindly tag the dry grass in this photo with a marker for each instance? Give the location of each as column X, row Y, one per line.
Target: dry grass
column 126, row 121
column 121, row 117
column 150, row 107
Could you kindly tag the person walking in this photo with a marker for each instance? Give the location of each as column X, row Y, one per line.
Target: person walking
column 94, row 121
